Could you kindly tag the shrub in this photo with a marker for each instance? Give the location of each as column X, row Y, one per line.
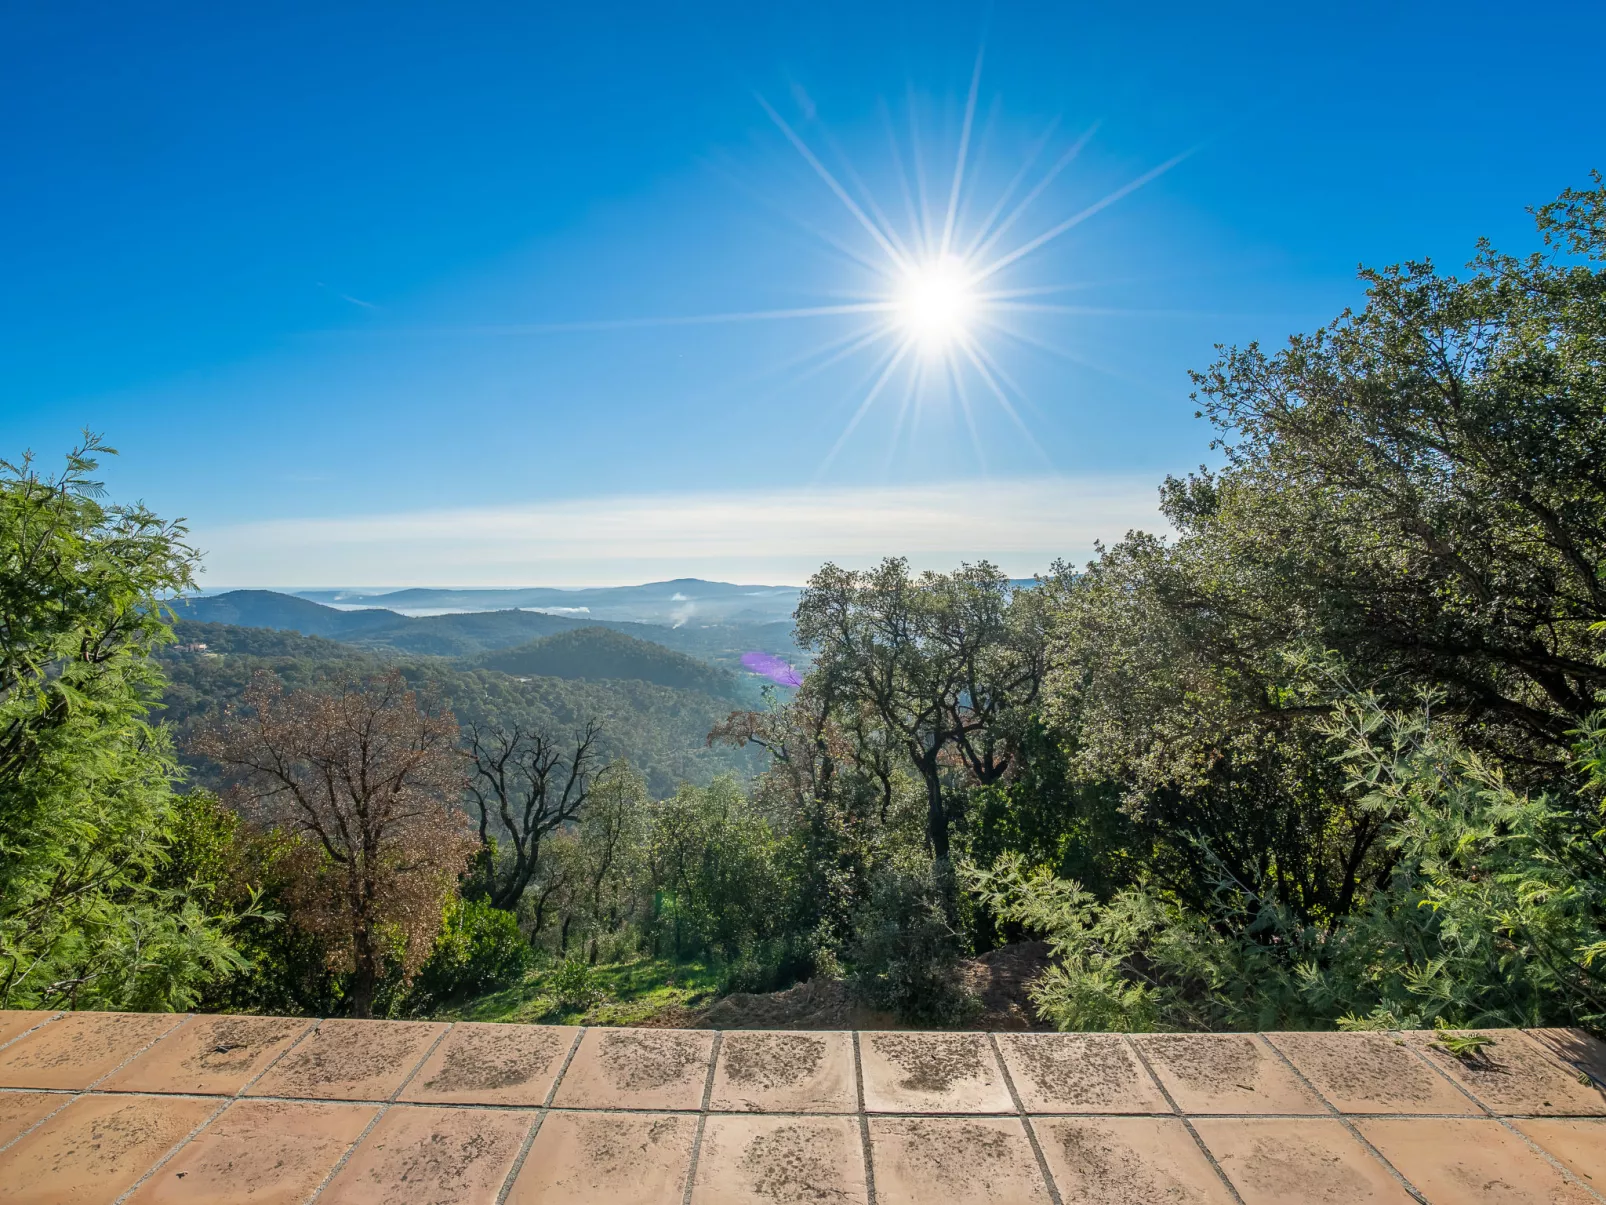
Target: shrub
column 576, row 985
column 905, row 953
column 480, row 949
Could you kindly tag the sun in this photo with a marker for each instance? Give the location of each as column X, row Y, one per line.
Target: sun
column 936, row 303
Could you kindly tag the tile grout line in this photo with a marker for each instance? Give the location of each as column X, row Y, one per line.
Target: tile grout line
column 702, row 1117
column 1566, row 1172
column 1343, row 1119
column 188, row 1017
column 375, row 1120
column 1597, row 1080
column 176, row 1148
column 68, row 1098
column 32, row 1029
column 540, row 1119
column 422, row 1059
column 310, row 1029
column 1026, row 1122
column 1187, row 1124
column 864, row 1122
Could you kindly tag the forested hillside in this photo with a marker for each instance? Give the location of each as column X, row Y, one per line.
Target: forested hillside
column 600, row 653
column 660, row 729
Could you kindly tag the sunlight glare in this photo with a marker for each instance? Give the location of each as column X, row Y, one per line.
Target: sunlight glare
column 936, row 303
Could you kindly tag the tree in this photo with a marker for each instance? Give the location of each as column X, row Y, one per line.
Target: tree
column 88, row 813
column 949, row 664
column 1421, row 486
column 524, row 780
column 366, row 781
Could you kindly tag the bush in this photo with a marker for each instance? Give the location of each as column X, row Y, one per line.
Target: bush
column 576, row 985
column 905, row 953
column 479, row 950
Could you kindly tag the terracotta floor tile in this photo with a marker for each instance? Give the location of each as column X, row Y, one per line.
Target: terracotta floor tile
column 1576, row 1047
column 1370, row 1073
column 418, row 1155
column 493, row 1065
column 1079, row 1073
column 1128, row 1161
column 1514, row 1074
column 1225, row 1073
column 955, row 1161
column 19, row 1110
column 1579, row 1142
column 77, row 1050
column 763, row 1072
column 794, row 1159
column 1470, row 1161
column 1312, row 1161
column 215, row 1055
column 258, row 1152
column 607, row 1159
column 96, row 1148
column 931, row 1073
column 350, row 1060
column 16, row 1022
column 638, row 1069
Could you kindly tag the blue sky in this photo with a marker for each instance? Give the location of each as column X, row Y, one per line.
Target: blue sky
column 393, row 294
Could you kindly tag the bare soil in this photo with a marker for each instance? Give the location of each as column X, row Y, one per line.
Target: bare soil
column 998, row 979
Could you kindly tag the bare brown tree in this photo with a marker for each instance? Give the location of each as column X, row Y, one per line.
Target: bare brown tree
column 366, row 780
column 532, row 785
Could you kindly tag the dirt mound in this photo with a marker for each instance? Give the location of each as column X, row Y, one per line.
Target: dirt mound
column 999, row 979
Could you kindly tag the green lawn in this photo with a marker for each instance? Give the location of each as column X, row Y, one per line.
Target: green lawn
column 631, row 992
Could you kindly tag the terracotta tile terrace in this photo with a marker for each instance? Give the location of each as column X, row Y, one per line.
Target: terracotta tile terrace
column 109, row 1107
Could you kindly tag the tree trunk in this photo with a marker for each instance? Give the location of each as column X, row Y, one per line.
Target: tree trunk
column 936, row 814
column 362, row 983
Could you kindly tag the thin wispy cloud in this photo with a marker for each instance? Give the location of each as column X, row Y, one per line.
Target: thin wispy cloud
column 771, row 536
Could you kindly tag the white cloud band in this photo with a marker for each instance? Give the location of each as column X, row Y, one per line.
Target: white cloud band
column 770, row 536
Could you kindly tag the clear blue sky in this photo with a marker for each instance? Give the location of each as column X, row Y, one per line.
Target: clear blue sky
column 301, row 263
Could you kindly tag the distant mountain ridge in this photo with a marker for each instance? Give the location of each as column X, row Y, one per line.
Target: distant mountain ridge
column 678, row 601
column 469, row 635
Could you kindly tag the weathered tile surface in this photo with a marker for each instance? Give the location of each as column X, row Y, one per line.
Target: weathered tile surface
column 164, row 1110
column 350, row 1060
column 1576, row 1048
column 1513, row 1074
column 932, row 1073
column 954, row 1161
column 1225, row 1073
column 1470, row 1161
column 793, row 1159
column 1128, row 1161
column 1578, row 1142
column 493, row 1065
column 96, row 1148
column 260, row 1152
column 1314, row 1161
column 1079, row 1073
column 607, row 1158
column 80, row 1048
column 19, row 1110
column 638, row 1069
column 1371, row 1073
column 423, row 1155
column 765, row 1072
column 215, row 1055
column 18, row 1022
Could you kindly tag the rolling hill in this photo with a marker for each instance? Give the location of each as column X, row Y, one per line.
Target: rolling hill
column 602, row 653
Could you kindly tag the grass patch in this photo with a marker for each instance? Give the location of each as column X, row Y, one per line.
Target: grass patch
column 631, row 993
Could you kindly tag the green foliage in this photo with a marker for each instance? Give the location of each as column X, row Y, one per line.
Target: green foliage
column 597, row 652
column 905, row 953
column 479, row 950
column 576, row 985
column 1494, row 912
column 89, row 822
